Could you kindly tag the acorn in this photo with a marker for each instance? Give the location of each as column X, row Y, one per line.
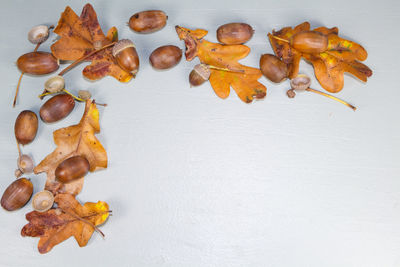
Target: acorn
column 17, row 194
column 43, row 201
column 165, row 57
column 38, row 34
column 125, row 53
column 37, row 63
column 54, row 84
column 309, row 42
column 199, row 74
column 234, row 33
column 148, row 21
column 273, row 68
column 57, row 108
column 25, row 127
column 72, row 168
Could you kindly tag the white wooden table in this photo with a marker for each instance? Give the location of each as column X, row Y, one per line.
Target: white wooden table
column 194, row 180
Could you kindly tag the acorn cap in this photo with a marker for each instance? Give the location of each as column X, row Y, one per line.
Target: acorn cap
column 300, row 83
column 38, row 34
column 121, row 45
column 203, row 70
column 54, row 84
column 43, row 201
column 25, row 164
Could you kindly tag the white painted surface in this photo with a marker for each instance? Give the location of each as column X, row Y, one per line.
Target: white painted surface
column 194, row 180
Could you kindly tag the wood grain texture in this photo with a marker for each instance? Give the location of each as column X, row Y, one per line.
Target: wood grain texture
column 194, row 180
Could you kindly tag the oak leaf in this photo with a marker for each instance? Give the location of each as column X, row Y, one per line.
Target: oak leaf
column 69, row 219
column 73, row 141
column 225, row 69
column 340, row 56
column 82, row 35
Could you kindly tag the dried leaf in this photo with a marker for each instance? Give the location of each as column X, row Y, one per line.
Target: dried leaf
column 226, row 71
column 72, row 141
column 341, row 56
column 53, row 226
column 81, row 35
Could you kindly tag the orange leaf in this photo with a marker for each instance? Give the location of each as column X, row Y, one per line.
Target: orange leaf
column 81, row 35
column 72, row 141
column 226, row 71
column 340, row 56
column 70, row 219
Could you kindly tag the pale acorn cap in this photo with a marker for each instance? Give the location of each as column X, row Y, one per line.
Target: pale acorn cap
column 43, row 201
column 121, row 45
column 55, row 84
column 38, row 34
column 84, row 94
column 203, row 70
column 300, row 83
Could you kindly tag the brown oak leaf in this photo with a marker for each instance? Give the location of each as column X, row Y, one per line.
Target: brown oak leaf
column 340, row 56
column 72, row 141
column 82, row 35
column 225, row 69
column 69, row 219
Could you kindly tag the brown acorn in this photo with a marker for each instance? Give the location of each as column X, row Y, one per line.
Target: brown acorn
column 234, row 33
column 56, row 108
column 165, row 57
column 199, row 74
column 25, row 127
column 72, row 168
column 37, row 63
column 125, row 53
column 309, row 42
column 273, row 68
column 17, row 194
column 148, row 21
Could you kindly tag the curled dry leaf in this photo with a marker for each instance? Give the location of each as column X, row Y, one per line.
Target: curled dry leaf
column 340, row 56
column 226, row 71
column 82, row 35
column 53, row 226
column 73, row 141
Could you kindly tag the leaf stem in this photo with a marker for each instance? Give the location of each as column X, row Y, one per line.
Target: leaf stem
column 225, row 69
column 85, row 221
column 280, row 39
column 332, row 97
column 79, row 60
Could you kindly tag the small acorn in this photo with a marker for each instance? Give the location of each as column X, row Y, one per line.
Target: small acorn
column 199, row 74
column 126, row 55
column 43, row 201
column 72, row 168
column 17, row 194
column 26, row 126
column 54, row 84
column 37, row 63
column 57, row 108
column 273, row 68
column 38, row 34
